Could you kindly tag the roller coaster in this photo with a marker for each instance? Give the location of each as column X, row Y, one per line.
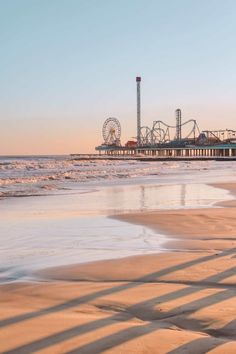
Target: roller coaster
column 218, row 136
column 162, row 133
column 167, row 140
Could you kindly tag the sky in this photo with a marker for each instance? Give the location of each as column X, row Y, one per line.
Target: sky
column 67, row 65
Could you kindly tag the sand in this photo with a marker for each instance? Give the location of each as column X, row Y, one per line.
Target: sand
column 172, row 302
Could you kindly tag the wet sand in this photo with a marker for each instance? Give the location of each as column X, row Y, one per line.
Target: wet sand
column 173, row 302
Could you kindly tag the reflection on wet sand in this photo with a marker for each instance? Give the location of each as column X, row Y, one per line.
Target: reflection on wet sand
column 73, row 228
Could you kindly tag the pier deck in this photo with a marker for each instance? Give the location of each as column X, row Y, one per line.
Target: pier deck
column 190, row 152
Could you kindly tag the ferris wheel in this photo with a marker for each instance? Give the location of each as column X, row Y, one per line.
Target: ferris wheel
column 111, row 131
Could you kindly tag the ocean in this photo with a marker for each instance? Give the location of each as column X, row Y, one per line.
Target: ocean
column 56, row 210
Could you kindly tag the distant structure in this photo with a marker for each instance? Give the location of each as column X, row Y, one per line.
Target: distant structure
column 111, row 132
column 178, row 124
column 138, row 81
column 180, row 140
column 161, row 133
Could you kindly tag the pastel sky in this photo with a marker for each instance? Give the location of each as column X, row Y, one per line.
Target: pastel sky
column 67, row 65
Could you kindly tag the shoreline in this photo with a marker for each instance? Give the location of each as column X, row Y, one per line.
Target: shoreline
column 170, row 302
column 174, row 242
column 168, row 244
column 82, row 238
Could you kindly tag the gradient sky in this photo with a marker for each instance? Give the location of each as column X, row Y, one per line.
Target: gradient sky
column 67, row 65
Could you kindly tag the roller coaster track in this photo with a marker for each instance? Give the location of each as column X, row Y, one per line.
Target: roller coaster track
column 160, row 132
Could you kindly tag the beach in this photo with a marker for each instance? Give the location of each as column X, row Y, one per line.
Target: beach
column 117, row 177
column 179, row 298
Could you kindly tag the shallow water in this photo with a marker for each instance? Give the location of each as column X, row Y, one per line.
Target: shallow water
column 37, row 232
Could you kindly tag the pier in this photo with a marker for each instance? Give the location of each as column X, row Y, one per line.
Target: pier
column 222, row 152
column 171, row 152
column 181, row 141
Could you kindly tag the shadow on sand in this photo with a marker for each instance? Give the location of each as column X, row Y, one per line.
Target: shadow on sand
column 145, row 311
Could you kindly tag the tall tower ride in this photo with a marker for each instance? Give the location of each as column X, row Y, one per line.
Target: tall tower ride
column 178, row 124
column 138, row 81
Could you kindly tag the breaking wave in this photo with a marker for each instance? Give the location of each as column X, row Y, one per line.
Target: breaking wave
column 28, row 176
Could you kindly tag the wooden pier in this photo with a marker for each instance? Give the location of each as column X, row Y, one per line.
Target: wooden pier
column 191, row 152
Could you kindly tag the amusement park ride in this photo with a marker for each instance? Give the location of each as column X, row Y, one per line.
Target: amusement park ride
column 111, row 132
column 162, row 136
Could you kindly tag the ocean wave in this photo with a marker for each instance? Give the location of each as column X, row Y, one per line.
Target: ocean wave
column 37, row 175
